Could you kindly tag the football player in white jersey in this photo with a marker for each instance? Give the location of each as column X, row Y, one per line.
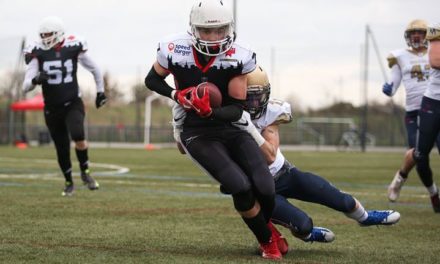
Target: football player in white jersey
column 231, row 156
column 429, row 118
column 52, row 63
column 411, row 67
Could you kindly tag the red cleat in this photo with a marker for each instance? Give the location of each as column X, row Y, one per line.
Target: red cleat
column 270, row 250
column 283, row 246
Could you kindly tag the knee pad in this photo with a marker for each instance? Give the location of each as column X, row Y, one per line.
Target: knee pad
column 303, row 228
column 244, row 201
column 349, row 203
column 418, row 157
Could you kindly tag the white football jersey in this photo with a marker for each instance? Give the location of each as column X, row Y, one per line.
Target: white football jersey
column 177, row 54
column 277, row 112
column 414, row 73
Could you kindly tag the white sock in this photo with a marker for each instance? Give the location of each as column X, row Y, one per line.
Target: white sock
column 432, row 190
column 359, row 214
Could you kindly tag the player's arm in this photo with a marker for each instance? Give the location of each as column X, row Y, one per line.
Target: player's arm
column 237, row 91
column 396, row 77
column 85, row 61
column 31, row 73
column 434, row 54
column 271, row 144
column 155, row 81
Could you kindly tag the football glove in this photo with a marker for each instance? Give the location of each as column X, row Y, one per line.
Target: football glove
column 387, row 89
column 41, row 77
column 245, row 123
column 183, row 97
column 201, row 105
column 101, row 99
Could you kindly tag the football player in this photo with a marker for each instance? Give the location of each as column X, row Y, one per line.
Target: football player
column 264, row 116
column 429, row 118
column 231, row 156
column 411, row 67
column 52, row 63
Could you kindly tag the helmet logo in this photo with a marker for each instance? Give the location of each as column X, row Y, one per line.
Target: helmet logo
column 170, row 46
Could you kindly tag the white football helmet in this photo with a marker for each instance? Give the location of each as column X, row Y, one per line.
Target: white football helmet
column 211, row 14
column 51, row 31
column 416, row 25
column 258, row 92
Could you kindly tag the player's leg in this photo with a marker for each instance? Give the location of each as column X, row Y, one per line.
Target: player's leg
column 54, row 119
column 429, row 127
column 215, row 159
column 298, row 222
column 310, row 187
column 408, row 160
column 75, row 123
column 246, row 153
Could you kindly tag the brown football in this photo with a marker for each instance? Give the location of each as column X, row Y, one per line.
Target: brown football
column 215, row 96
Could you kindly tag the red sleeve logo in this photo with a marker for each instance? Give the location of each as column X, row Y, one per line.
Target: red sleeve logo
column 230, row 52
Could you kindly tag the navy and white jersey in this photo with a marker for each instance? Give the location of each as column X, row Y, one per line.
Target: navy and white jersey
column 277, row 112
column 411, row 68
column 61, row 64
column 189, row 68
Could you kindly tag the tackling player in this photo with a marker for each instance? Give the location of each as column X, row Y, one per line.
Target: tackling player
column 411, row 67
column 290, row 182
column 231, row 156
column 429, row 118
column 52, row 63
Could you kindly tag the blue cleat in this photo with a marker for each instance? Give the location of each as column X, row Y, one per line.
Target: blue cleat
column 385, row 217
column 320, row 234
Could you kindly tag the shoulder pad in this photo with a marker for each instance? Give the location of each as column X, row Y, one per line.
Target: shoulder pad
column 169, row 44
column 280, row 110
column 30, row 50
column 249, row 58
column 391, row 60
column 73, row 40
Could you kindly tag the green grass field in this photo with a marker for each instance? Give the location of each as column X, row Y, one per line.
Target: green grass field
column 165, row 210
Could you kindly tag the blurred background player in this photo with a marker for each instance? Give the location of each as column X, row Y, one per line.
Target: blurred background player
column 411, row 67
column 231, row 156
column 52, row 63
column 429, row 118
column 265, row 118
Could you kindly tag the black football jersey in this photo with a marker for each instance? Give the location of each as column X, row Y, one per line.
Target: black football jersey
column 177, row 55
column 61, row 64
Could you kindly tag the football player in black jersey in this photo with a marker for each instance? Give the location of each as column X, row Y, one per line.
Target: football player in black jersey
column 52, row 63
column 231, row 156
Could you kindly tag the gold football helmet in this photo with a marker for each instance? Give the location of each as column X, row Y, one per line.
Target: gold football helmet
column 258, row 92
column 416, row 25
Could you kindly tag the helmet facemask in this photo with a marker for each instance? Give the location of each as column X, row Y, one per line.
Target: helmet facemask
column 215, row 47
column 416, row 26
column 257, row 99
column 416, row 43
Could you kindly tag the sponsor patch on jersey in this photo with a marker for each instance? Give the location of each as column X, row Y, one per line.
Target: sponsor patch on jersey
column 183, row 50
